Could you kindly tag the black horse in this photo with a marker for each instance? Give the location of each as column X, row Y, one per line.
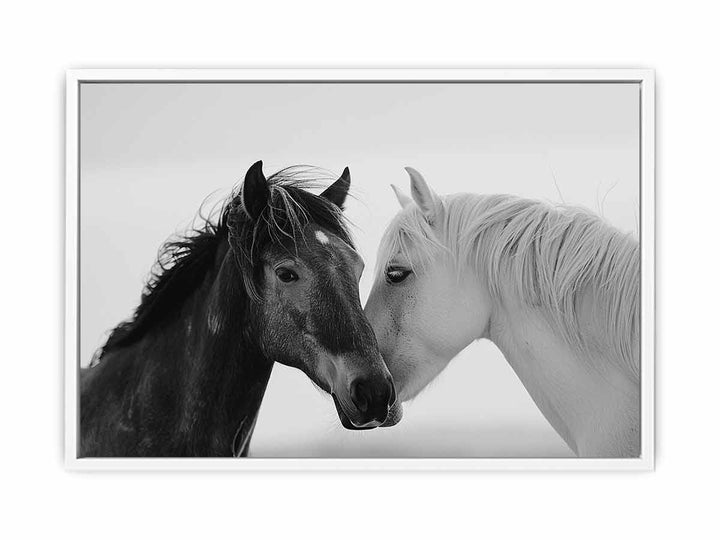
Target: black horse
column 275, row 280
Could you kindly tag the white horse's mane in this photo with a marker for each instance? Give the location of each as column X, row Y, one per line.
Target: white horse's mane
column 548, row 254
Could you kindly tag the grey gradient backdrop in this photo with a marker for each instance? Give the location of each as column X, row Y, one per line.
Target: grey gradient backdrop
column 151, row 153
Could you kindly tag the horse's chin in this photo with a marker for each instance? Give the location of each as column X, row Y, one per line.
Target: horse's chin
column 345, row 420
column 394, row 415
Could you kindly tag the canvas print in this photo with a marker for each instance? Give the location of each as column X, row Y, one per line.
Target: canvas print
column 359, row 270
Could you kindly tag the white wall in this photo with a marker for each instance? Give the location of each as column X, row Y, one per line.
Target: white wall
column 40, row 499
column 151, row 153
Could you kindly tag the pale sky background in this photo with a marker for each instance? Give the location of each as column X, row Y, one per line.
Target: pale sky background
column 151, row 153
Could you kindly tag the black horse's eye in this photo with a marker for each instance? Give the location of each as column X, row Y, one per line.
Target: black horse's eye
column 396, row 275
column 286, row 275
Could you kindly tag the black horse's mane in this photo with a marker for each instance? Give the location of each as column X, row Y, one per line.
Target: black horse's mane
column 183, row 263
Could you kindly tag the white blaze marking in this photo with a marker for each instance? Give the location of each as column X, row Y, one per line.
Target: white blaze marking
column 322, row 237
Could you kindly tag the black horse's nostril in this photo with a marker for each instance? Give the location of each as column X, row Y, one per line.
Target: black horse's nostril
column 373, row 398
column 361, row 395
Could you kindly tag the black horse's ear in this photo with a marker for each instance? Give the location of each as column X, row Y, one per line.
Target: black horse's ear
column 255, row 192
column 337, row 192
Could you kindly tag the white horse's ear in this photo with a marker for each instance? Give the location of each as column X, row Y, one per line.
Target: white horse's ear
column 403, row 199
column 425, row 197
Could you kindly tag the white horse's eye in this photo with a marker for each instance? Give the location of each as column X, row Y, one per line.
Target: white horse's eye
column 396, row 275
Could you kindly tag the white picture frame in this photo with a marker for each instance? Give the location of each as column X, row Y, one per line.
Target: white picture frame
column 643, row 77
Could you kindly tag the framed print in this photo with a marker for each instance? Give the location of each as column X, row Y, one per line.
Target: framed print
column 360, row 269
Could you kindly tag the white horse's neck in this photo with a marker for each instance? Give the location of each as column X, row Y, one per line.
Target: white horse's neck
column 591, row 403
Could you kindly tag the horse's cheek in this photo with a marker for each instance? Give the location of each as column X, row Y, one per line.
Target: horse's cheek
column 390, row 319
column 283, row 323
column 407, row 314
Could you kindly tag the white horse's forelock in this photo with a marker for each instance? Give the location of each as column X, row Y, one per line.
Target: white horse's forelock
column 547, row 255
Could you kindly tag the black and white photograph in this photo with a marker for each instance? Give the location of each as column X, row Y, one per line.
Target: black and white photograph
column 362, row 268
column 359, row 271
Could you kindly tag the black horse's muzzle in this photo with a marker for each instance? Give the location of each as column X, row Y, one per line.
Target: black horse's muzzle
column 368, row 405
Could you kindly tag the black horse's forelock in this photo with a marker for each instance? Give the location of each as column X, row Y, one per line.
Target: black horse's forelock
column 289, row 209
column 183, row 263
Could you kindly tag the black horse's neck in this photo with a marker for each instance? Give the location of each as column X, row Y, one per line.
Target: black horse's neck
column 226, row 372
column 190, row 387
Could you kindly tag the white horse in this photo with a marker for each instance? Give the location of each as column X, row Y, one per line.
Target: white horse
column 555, row 288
